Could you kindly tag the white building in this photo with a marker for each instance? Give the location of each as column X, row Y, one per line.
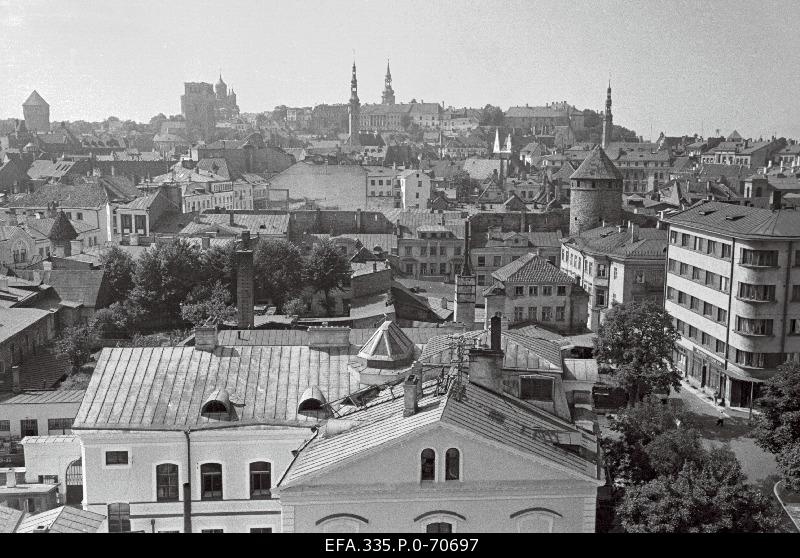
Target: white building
column 415, row 189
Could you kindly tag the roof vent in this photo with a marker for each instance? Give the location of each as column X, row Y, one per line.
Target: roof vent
column 733, row 217
column 707, row 212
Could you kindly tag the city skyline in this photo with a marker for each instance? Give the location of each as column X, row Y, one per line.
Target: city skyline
column 82, row 63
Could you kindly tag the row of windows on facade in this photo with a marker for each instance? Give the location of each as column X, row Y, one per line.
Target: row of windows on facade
column 119, row 521
column 698, row 305
column 167, row 487
column 700, row 244
column 546, row 316
column 30, row 427
column 740, row 357
column 423, row 269
column 699, row 275
column 423, row 250
column 574, row 260
column 546, row 290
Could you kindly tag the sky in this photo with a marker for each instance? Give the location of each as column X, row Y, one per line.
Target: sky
column 677, row 66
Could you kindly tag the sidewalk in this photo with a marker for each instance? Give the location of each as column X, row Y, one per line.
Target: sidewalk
column 738, row 412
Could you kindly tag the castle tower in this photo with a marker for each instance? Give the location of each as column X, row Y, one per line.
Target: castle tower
column 221, row 89
column 388, row 93
column 354, row 110
column 607, row 120
column 595, row 193
column 36, row 112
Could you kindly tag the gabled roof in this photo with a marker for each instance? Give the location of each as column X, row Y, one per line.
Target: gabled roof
column 62, row 229
column 14, row 320
column 81, row 286
column 34, row 99
column 65, row 519
column 493, row 417
column 597, row 166
column 9, row 519
column 388, row 344
column 531, row 268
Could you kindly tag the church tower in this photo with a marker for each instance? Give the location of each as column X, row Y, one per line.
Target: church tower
column 388, row 93
column 607, row 120
column 354, row 110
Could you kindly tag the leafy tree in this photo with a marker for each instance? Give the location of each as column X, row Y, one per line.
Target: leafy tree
column 119, row 268
column 637, row 340
column 114, row 320
column 214, row 308
column 492, row 116
column 77, row 342
column 294, row 307
column 326, row 269
column 778, row 427
column 709, row 496
column 164, row 277
column 405, row 121
column 278, row 267
column 218, row 263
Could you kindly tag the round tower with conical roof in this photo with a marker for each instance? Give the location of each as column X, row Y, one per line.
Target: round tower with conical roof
column 595, row 193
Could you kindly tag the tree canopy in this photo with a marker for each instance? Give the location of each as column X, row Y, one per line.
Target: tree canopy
column 278, row 266
column 637, row 340
column 119, row 268
column 326, row 269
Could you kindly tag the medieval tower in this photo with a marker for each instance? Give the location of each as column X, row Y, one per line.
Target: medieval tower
column 354, row 110
column 387, row 98
column 595, row 193
column 608, row 120
column 36, row 112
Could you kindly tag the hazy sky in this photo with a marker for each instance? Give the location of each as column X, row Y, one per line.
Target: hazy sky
column 678, row 65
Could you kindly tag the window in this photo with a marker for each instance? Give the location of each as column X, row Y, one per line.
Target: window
column 48, row 479
column 726, row 251
column 452, row 464
column 547, row 290
column 481, row 280
column 167, row 482
column 442, row 268
column 684, row 269
column 532, row 313
column 408, row 251
column 497, row 261
column 519, row 291
column 260, row 480
column 600, row 297
column 211, row 481
column 439, row 527
column 212, row 531
column 423, row 250
column 29, row 427
column 762, row 293
column 59, row 426
column 547, row 313
column 708, row 309
column 536, row 388
column 482, row 260
column 711, row 248
column 533, row 291
column 561, row 290
column 639, row 277
column 722, row 316
column 615, row 271
column 119, row 518
column 539, row 521
column 428, row 465
column 601, row 270
column 759, row 258
column 5, row 425
column 409, row 270
column 685, row 240
column 559, row 313
column 694, row 303
column 442, row 250
column 673, row 237
column 720, row 348
column 750, row 326
column 672, row 265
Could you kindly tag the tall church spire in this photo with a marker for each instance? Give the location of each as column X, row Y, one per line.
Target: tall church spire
column 354, row 110
column 608, row 121
column 387, row 98
column 496, row 141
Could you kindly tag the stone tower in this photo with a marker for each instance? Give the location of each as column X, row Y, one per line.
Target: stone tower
column 354, row 110
column 221, row 89
column 36, row 112
column 466, row 287
column 388, row 93
column 595, row 193
column 608, row 120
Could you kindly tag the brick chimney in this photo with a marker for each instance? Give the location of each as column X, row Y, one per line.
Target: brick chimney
column 775, row 200
column 412, row 390
column 486, row 363
column 244, row 282
column 205, row 338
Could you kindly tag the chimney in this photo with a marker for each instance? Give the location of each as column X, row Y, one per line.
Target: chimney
column 15, row 382
column 205, row 337
column 775, row 200
column 328, row 336
column 230, row 220
column 444, row 303
column 244, row 282
column 374, row 267
column 412, row 389
column 11, row 478
column 486, row 363
column 634, row 231
column 205, row 243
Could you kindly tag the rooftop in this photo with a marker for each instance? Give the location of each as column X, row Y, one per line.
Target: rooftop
column 597, row 166
column 740, row 221
column 531, row 268
column 650, row 243
column 64, row 519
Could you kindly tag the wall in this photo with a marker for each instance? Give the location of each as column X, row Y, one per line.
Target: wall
column 51, row 459
column 337, row 222
column 40, row 411
column 17, row 348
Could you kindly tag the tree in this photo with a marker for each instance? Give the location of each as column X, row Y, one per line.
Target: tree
column 218, row 263
column 637, row 340
column 326, row 269
column 709, row 496
column 294, row 307
column 119, row 268
column 114, row 320
column 405, row 121
column 778, row 428
column 164, row 277
column 77, row 342
column 278, row 267
column 492, row 116
column 213, row 308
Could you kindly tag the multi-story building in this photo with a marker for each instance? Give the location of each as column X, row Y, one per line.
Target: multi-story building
column 737, row 151
column 327, row 118
column 432, row 252
column 199, row 108
column 415, row 189
column 530, row 289
column 616, row 264
column 502, row 248
column 643, row 165
column 733, row 289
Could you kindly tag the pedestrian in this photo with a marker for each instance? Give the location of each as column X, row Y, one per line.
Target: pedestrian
column 721, row 417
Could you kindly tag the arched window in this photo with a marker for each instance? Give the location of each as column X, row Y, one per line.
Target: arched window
column 211, row 481
column 167, row 482
column 439, row 527
column 260, row 480
column 119, row 518
column 428, row 465
column 452, row 465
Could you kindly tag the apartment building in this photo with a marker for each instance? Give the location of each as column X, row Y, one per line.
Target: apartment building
column 616, row 264
column 733, row 289
column 502, row 248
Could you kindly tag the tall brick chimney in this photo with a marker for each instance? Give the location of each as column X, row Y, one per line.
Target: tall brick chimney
column 466, row 286
column 244, row 282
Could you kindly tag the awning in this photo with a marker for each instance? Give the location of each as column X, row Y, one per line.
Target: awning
column 758, row 376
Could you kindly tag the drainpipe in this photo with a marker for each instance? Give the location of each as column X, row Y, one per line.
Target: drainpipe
column 187, row 488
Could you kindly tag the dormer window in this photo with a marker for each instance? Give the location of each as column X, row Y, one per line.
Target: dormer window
column 217, row 406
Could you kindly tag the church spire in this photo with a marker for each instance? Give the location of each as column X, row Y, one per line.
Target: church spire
column 354, row 111
column 608, row 120
column 387, row 98
column 354, row 86
column 496, row 141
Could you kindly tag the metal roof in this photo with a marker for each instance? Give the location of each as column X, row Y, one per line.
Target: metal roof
column 289, row 337
column 38, row 397
column 65, row 519
column 739, row 221
column 163, row 388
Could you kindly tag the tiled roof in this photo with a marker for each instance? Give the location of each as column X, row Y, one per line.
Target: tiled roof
column 84, row 286
column 65, row 519
column 651, row 243
column 497, row 418
column 597, row 166
column 36, row 397
column 163, row 388
column 257, row 224
column 89, row 196
column 531, row 268
column 740, row 221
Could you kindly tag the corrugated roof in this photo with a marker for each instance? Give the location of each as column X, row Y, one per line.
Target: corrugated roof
column 65, row 519
column 597, row 166
column 740, row 221
column 163, row 388
column 521, row 352
column 290, row 337
column 37, row 397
